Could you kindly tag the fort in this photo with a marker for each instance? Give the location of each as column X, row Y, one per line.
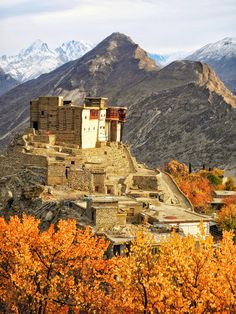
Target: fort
column 72, row 161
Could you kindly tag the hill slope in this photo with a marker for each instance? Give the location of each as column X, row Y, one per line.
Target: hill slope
column 182, row 111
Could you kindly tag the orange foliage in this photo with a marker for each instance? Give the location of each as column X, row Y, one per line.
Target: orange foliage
column 63, row 270
column 227, row 218
column 230, row 200
column 185, row 277
column 198, row 190
column 45, row 272
column 176, row 168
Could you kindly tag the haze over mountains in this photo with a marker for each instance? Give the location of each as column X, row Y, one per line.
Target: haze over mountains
column 182, row 111
column 6, row 82
column 38, row 58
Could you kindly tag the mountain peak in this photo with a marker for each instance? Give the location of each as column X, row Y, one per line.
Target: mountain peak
column 119, row 36
column 120, row 47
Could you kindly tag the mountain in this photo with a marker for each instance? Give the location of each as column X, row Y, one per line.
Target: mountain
column 38, row 59
column 72, row 50
column 221, row 56
column 181, row 111
column 6, row 82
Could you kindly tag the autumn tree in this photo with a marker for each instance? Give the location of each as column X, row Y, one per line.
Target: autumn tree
column 186, row 276
column 198, row 190
column 63, row 270
column 176, row 168
column 227, row 218
column 52, row 270
column 230, row 184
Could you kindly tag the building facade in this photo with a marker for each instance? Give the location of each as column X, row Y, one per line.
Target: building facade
column 88, row 126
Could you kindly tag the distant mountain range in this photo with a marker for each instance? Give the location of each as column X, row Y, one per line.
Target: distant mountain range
column 182, row 111
column 221, row 56
column 38, row 59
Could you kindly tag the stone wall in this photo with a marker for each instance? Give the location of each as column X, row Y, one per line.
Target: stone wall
column 80, row 179
column 145, row 182
column 14, row 161
column 106, row 217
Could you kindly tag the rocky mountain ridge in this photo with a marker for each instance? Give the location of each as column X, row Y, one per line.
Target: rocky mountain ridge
column 181, row 111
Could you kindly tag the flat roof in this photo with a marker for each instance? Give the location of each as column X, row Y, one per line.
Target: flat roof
column 95, row 98
column 225, row 193
column 172, row 214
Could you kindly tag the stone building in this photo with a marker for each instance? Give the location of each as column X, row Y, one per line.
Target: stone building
column 73, row 151
column 88, row 126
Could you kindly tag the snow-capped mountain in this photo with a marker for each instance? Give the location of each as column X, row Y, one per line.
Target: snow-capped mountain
column 72, row 50
column 38, row 59
column 221, row 56
column 163, row 60
column 225, row 48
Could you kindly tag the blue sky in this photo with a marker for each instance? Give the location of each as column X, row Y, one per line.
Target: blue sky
column 160, row 26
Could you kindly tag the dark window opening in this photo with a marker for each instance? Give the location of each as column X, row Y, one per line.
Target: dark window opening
column 116, row 250
column 66, row 172
column 35, row 125
column 93, row 215
column 96, row 188
column 42, row 113
column 72, row 162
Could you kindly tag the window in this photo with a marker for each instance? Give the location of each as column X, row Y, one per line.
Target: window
column 35, row 125
column 131, row 212
column 72, row 162
column 154, row 250
column 42, row 113
column 93, row 114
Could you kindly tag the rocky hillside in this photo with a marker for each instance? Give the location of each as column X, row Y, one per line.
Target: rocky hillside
column 221, row 56
column 182, row 111
column 6, row 82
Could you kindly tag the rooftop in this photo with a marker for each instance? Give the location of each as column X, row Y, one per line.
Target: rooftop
column 225, row 193
column 172, row 214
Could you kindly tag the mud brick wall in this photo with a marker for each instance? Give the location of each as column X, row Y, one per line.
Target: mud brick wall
column 81, row 180
column 57, row 174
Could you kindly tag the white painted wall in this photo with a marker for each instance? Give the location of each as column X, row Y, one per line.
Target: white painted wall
column 118, row 132
column 89, row 130
column 193, row 228
column 102, row 135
